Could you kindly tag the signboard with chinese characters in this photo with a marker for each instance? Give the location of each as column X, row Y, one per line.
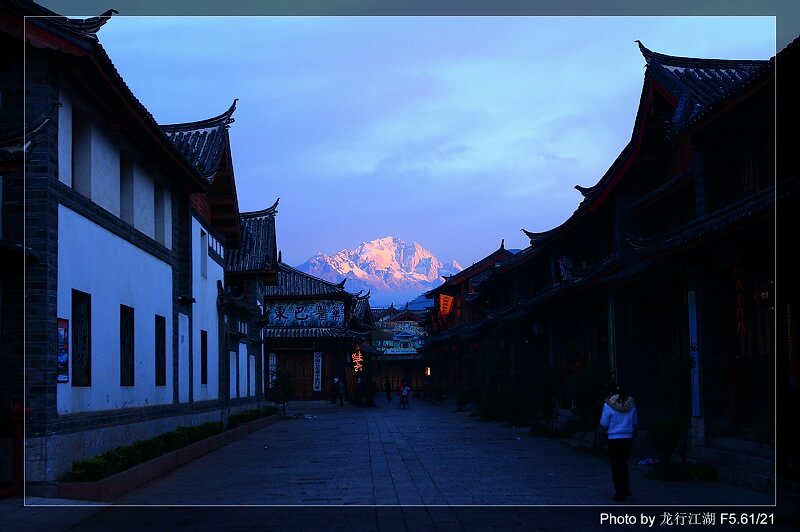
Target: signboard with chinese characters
column 358, row 360
column 272, row 367
column 317, row 372
column 62, row 351
column 305, row 314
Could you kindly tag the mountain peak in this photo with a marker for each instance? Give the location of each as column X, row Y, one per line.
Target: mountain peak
column 388, row 266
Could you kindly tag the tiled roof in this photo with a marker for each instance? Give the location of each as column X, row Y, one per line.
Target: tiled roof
column 499, row 254
column 292, row 282
column 202, row 142
column 258, row 250
column 361, row 307
column 700, row 84
column 310, row 332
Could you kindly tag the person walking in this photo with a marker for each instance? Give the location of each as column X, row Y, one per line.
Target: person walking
column 405, row 393
column 619, row 417
column 340, row 391
column 335, row 390
column 387, row 387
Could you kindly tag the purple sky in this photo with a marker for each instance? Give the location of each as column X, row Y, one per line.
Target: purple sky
column 453, row 132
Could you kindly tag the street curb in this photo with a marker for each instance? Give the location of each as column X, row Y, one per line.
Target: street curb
column 117, row 485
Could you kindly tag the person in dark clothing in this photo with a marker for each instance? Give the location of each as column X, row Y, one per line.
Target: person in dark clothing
column 619, row 418
column 340, row 391
column 387, row 387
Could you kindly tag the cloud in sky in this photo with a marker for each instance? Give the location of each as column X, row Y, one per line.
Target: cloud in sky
column 451, row 131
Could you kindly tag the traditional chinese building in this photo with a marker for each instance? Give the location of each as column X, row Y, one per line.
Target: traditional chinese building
column 216, row 230
column 307, row 331
column 458, row 322
column 397, row 340
column 663, row 278
column 126, row 228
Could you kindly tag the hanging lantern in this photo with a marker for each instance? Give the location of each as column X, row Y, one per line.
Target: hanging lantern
column 445, row 304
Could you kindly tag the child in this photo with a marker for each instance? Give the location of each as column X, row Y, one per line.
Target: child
column 405, row 392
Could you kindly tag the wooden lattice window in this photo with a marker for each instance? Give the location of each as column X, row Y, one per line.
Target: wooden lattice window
column 81, row 338
column 126, row 333
column 161, row 351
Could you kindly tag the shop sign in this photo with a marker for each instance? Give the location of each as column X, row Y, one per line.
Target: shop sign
column 305, row 314
column 272, row 369
column 358, row 361
column 317, row 372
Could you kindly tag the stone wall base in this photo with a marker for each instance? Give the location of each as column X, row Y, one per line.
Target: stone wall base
column 112, row 487
column 48, row 458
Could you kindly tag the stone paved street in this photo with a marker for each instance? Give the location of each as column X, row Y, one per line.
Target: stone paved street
column 399, row 469
column 425, row 455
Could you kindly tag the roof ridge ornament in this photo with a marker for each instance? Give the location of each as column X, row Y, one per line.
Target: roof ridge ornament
column 537, row 237
column 269, row 211
column 223, row 119
column 87, row 26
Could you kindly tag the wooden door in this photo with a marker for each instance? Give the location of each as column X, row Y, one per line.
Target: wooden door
column 301, row 364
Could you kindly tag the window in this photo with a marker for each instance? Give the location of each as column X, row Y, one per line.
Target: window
column 161, row 351
column 203, row 357
column 81, row 339
column 203, row 253
column 126, row 328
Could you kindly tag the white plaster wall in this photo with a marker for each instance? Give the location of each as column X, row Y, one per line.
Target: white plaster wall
column 143, row 206
column 114, row 272
column 205, row 317
column 105, row 170
column 65, row 138
column 242, row 370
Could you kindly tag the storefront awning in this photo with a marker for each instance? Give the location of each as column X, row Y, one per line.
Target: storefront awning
column 311, row 332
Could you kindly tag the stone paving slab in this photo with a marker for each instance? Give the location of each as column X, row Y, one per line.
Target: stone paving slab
column 384, row 468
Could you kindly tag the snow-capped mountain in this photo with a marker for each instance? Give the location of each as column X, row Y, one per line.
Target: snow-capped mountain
column 393, row 270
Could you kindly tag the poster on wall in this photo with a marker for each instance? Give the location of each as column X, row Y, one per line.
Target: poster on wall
column 317, row 372
column 62, row 350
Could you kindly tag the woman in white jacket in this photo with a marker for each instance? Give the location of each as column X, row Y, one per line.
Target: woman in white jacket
column 620, row 418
